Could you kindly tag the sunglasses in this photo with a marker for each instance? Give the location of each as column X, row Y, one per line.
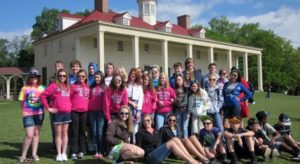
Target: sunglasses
column 212, row 79
column 206, row 123
column 171, row 120
column 124, row 113
column 62, row 75
column 147, row 120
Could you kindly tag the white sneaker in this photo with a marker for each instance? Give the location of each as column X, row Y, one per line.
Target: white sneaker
column 59, row 158
column 296, row 158
column 275, row 154
column 267, row 154
column 74, row 156
column 64, row 157
column 80, row 155
column 35, row 157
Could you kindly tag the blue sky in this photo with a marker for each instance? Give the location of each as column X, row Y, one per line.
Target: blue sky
column 281, row 16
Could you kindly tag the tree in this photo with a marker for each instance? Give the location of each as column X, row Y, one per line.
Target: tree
column 45, row 23
column 4, row 52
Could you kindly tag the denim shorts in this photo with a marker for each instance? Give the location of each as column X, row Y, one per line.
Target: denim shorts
column 34, row 120
column 158, row 155
column 61, row 118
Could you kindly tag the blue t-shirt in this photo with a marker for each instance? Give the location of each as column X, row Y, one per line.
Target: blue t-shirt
column 208, row 138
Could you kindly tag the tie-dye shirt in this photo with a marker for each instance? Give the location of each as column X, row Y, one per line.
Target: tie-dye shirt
column 30, row 97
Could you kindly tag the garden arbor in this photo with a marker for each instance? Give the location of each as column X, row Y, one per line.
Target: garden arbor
column 11, row 81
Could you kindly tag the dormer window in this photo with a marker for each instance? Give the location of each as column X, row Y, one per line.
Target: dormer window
column 164, row 26
column 198, row 33
column 123, row 19
column 147, row 9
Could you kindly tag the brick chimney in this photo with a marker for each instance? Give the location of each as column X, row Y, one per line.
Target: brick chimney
column 101, row 5
column 184, row 21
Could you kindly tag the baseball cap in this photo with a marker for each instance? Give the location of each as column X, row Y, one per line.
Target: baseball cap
column 34, row 73
column 284, row 119
column 203, row 118
column 262, row 114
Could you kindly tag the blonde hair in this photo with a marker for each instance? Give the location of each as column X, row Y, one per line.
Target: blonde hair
column 122, row 72
column 159, row 82
column 128, row 122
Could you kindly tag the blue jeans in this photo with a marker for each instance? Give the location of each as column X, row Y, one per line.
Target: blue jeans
column 160, row 119
column 97, row 119
column 183, row 122
column 217, row 120
column 158, row 155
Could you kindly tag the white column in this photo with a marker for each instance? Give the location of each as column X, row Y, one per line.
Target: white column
column 229, row 59
column 77, row 48
column 8, row 89
column 245, row 60
column 135, row 50
column 259, row 72
column 190, row 50
column 165, row 56
column 210, row 54
column 100, row 50
column 236, row 61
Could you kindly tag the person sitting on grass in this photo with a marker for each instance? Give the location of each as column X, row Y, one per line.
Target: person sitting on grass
column 211, row 139
column 171, row 130
column 263, row 144
column 117, row 138
column 239, row 141
column 288, row 143
column 148, row 138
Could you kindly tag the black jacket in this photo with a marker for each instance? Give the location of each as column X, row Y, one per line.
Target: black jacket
column 166, row 134
column 147, row 141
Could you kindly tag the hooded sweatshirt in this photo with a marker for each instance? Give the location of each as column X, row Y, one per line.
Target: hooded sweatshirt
column 91, row 77
column 168, row 96
column 96, row 98
column 80, row 97
column 149, row 104
column 113, row 100
column 233, row 90
column 216, row 99
column 198, row 105
column 60, row 98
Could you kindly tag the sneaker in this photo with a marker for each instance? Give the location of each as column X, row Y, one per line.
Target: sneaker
column 74, row 156
column 98, row 156
column 267, row 154
column 59, row 158
column 296, row 158
column 275, row 154
column 22, row 159
column 35, row 157
column 64, row 157
column 80, row 155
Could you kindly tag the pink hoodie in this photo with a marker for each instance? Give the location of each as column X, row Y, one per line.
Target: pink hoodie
column 96, row 98
column 80, row 97
column 149, row 103
column 60, row 98
column 165, row 95
column 113, row 100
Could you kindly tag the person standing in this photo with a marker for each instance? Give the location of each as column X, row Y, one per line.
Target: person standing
column 59, row 94
column 96, row 114
column 92, row 68
column 193, row 72
column 75, row 66
column 33, row 114
column 79, row 98
column 150, row 97
column 165, row 99
column 212, row 70
column 109, row 73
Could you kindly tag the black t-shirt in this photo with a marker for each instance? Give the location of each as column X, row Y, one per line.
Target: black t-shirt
column 260, row 134
column 147, row 141
column 283, row 130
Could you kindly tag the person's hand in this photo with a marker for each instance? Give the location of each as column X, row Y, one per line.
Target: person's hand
column 138, row 115
column 108, row 122
column 52, row 110
column 237, row 98
column 161, row 103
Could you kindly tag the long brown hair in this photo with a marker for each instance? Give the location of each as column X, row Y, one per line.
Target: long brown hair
column 143, row 119
column 150, row 86
column 67, row 79
column 128, row 122
column 138, row 80
column 84, row 71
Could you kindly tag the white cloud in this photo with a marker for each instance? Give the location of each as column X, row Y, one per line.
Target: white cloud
column 284, row 22
column 258, row 5
column 171, row 9
column 12, row 34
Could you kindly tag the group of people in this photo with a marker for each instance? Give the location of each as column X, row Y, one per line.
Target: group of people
column 148, row 115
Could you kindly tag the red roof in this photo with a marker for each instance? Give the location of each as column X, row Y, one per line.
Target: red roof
column 70, row 16
column 13, row 70
column 109, row 18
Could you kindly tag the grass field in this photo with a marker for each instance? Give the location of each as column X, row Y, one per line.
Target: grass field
column 12, row 133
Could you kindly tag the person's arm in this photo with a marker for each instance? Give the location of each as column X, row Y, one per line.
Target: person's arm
column 139, row 139
column 47, row 93
column 154, row 100
column 124, row 98
column 111, row 134
column 107, row 104
column 248, row 94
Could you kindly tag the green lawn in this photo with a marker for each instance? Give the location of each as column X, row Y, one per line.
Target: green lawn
column 12, row 133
